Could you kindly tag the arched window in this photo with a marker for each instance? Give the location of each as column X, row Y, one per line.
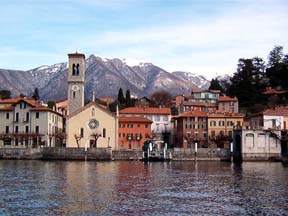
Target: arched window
column 249, row 140
column 104, row 132
column 77, row 69
column 73, row 70
column 93, row 112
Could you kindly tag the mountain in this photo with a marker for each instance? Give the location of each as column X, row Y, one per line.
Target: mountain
column 104, row 76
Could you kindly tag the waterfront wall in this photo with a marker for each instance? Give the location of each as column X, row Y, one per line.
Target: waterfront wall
column 127, row 154
column 20, row 153
column 76, row 154
column 202, row 154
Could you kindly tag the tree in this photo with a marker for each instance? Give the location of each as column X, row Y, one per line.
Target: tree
column 246, row 83
column 121, row 98
column 113, row 106
column 161, row 98
column 277, row 71
column 215, row 85
column 96, row 136
column 51, row 104
column 128, row 98
column 36, row 94
column 78, row 138
column 5, row 94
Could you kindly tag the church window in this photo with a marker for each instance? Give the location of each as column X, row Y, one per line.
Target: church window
column 73, row 95
column 104, row 132
column 82, row 132
column 93, row 112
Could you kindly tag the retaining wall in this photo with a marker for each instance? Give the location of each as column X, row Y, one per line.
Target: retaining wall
column 127, row 154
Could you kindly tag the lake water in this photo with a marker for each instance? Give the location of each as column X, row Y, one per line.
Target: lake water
column 136, row 188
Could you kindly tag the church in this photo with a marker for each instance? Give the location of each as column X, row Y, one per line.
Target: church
column 90, row 125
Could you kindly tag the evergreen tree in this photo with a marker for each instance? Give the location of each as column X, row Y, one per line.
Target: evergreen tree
column 215, row 85
column 5, row 94
column 121, row 98
column 36, row 94
column 128, row 98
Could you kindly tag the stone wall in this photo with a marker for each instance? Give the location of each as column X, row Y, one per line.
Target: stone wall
column 127, row 154
column 202, row 154
column 20, row 153
column 76, row 154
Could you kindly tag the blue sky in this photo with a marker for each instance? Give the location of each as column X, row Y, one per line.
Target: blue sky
column 205, row 37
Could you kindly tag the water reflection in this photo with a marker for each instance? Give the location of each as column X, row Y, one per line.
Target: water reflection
column 136, row 188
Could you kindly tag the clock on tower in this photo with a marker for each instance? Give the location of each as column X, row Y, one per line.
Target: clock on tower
column 76, row 79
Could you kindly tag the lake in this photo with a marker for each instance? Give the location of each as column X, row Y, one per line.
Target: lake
column 136, row 188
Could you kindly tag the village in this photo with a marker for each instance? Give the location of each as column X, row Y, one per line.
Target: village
column 207, row 126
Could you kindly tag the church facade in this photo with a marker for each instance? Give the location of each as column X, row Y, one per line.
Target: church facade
column 89, row 126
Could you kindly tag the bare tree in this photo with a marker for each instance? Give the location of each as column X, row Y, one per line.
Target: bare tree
column 95, row 135
column 161, row 98
column 78, row 138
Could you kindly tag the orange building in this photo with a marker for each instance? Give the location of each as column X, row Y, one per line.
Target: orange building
column 190, row 128
column 133, row 132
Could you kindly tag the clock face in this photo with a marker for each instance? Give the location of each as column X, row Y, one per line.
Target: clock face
column 93, row 124
column 75, row 87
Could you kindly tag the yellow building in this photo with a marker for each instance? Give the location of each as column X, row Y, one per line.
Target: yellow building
column 92, row 125
column 221, row 124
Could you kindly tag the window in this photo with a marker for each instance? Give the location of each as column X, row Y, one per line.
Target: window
column 196, row 136
column 138, row 125
column 130, row 125
column 27, row 129
column 213, row 133
column 166, row 127
column 221, row 123
column 122, row 126
column 104, row 132
column 204, row 119
column 165, row 118
column 7, row 115
column 82, row 132
column 204, row 135
column 75, row 70
column 37, row 129
column 212, row 123
column 27, row 117
column 188, row 119
column 196, row 119
column 7, row 129
column 37, row 115
column 73, row 95
column 146, row 125
column 157, row 118
column 17, row 117
column 93, row 112
column 204, row 126
column 195, row 126
column 16, row 129
column 157, row 127
column 229, row 123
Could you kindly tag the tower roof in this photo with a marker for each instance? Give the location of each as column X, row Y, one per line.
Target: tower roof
column 76, row 55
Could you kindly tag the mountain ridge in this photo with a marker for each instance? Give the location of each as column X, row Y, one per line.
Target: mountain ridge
column 104, row 76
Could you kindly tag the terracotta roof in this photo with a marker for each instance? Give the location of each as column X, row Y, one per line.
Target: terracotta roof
column 146, row 110
column 107, row 100
column 62, row 104
column 76, row 55
column 134, row 119
column 224, row 113
column 227, row 99
column 193, row 113
column 199, row 104
column 42, row 108
column 271, row 91
column 11, row 101
column 7, row 108
column 282, row 111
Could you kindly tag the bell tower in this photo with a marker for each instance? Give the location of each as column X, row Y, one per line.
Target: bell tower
column 76, row 79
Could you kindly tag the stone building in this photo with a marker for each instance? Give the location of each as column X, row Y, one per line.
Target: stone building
column 92, row 125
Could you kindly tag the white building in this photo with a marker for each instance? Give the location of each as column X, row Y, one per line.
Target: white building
column 270, row 119
column 24, row 122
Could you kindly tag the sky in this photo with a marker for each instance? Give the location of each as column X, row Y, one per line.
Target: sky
column 205, row 37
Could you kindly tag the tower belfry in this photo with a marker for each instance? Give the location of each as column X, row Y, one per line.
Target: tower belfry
column 76, row 79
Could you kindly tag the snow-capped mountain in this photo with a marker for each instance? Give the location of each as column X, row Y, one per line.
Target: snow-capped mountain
column 104, row 76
